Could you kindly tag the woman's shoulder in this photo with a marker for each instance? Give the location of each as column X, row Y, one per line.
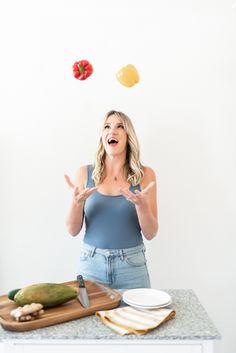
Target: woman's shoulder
column 148, row 172
column 149, row 175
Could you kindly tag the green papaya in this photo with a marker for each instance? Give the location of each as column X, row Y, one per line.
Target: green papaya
column 12, row 293
column 47, row 294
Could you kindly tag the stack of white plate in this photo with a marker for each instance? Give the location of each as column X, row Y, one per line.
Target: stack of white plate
column 146, row 298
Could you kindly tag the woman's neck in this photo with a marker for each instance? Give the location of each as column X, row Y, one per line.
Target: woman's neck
column 115, row 168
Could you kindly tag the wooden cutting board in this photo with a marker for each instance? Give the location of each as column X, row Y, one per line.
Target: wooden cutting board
column 100, row 297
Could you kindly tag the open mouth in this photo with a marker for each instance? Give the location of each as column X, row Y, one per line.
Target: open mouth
column 112, row 141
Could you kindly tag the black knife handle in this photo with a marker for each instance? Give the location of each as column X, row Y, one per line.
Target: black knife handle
column 81, row 281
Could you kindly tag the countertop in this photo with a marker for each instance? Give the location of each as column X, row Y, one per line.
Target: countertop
column 191, row 323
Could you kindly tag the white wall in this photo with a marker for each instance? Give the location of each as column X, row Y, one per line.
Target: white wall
column 184, row 110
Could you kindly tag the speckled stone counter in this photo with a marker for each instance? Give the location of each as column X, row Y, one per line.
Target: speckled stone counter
column 191, row 323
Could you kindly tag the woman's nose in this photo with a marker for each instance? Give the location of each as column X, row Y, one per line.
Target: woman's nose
column 113, row 129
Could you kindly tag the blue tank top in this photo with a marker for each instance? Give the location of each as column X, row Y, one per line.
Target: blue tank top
column 111, row 221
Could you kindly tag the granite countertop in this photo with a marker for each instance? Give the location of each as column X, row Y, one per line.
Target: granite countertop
column 191, row 323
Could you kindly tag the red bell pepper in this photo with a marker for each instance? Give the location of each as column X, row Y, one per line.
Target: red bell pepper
column 82, row 69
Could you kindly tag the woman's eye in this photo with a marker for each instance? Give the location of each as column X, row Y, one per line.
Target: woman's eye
column 106, row 126
column 121, row 126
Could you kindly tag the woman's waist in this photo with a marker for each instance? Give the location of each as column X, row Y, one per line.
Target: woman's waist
column 113, row 252
column 113, row 239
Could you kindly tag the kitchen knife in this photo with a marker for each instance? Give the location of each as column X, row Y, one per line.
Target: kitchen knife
column 83, row 295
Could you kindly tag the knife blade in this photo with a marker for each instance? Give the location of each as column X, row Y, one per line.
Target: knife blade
column 83, row 295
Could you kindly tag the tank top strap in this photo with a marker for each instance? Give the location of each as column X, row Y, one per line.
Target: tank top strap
column 90, row 182
column 135, row 187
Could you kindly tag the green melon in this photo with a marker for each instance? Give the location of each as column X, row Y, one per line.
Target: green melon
column 47, row 294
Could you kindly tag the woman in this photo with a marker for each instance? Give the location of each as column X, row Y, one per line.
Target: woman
column 117, row 198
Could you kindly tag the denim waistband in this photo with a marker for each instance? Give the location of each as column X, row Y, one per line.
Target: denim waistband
column 113, row 252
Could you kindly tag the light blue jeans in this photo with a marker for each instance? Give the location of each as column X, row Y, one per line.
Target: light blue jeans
column 115, row 268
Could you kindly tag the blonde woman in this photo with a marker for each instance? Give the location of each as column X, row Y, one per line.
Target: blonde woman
column 116, row 198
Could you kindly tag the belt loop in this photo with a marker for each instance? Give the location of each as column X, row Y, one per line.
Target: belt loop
column 93, row 252
column 122, row 255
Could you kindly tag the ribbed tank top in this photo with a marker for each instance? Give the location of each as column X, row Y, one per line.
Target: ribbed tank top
column 111, row 222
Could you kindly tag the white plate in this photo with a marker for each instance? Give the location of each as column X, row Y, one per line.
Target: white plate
column 146, row 297
column 147, row 307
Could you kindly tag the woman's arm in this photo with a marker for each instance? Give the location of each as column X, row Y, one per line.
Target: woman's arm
column 145, row 202
column 147, row 210
column 75, row 217
column 74, row 221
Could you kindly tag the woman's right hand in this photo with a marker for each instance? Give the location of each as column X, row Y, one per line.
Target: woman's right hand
column 79, row 197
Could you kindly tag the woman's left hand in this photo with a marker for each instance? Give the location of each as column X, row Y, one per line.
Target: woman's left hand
column 138, row 198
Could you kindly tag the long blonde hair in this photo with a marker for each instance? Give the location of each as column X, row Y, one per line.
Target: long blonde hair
column 133, row 167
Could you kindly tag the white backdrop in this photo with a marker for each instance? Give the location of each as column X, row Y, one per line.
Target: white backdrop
column 184, row 111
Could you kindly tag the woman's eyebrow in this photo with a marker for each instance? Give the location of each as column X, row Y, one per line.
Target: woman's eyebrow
column 114, row 124
column 119, row 124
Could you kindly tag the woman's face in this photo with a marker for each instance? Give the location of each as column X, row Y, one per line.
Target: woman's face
column 114, row 136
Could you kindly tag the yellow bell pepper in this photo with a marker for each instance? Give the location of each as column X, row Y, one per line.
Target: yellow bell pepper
column 128, row 75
